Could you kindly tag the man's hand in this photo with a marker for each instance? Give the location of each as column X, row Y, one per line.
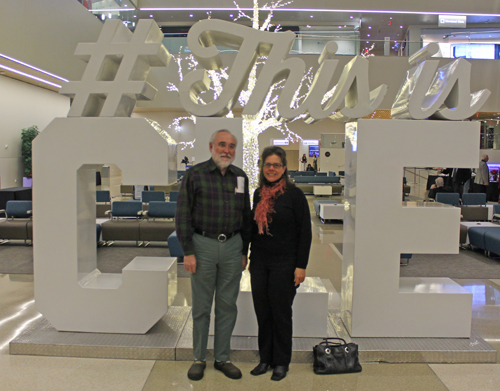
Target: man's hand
column 300, row 275
column 244, row 262
column 190, row 263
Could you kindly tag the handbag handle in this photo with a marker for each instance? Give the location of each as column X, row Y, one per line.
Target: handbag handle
column 336, row 341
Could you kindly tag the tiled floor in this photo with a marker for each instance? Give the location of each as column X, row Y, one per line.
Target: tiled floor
column 34, row 373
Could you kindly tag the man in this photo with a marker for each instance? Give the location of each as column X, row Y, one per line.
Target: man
column 439, row 187
column 459, row 177
column 482, row 176
column 213, row 227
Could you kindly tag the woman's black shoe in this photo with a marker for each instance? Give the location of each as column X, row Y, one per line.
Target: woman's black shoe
column 279, row 372
column 259, row 369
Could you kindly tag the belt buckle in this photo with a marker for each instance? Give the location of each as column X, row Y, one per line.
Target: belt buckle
column 222, row 238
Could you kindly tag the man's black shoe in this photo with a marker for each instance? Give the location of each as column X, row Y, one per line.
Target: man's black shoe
column 197, row 369
column 279, row 372
column 260, row 369
column 228, row 369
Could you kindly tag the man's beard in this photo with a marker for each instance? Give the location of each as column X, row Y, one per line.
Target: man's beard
column 222, row 164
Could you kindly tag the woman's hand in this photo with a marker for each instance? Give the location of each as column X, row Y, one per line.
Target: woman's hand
column 300, row 275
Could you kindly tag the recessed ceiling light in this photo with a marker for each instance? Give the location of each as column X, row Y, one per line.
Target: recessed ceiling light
column 400, row 27
column 151, row 16
column 340, row 27
column 190, row 15
column 368, row 35
column 308, row 26
column 370, row 27
column 126, row 5
column 231, row 15
column 367, row 41
column 135, row 16
column 312, row 16
column 351, row 16
column 390, row 17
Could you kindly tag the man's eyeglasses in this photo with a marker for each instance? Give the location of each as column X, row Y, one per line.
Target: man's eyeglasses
column 275, row 165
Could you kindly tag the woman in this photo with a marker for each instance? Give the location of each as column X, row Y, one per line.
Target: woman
column 303, row 161
column 315, row 162
column 281, row 240
column 309, row 168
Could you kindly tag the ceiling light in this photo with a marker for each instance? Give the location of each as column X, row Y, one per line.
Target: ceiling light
column 308, row 26
column 390, row 17
column 400, row 27
column 190, row 15
column 310, row 10
column 351, row 16
column 367, row 41
column 312, row 16
column 368, row 35
column 29, row 76
column 151, row 15
column 340, row 27
column 32, row 67
column 370, row 27
column 135, row 16
column 231, row 15
column 103, row 16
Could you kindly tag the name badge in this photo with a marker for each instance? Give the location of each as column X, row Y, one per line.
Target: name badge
column 240, row 188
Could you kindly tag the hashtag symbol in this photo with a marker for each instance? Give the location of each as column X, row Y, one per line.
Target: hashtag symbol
column 118, row 65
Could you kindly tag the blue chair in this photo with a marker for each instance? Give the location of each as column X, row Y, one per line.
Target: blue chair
column 103, row 196
column 18, row 223
column 148, row 196
column 174, row 247
column 331, row 173
column 474, row 199
column 405, row 259
column 342, row 173
column 155, row 226
column 321, row 174
column 448, row 198
column 174, row 195
column 474, row 207
column 496, row 213
column 161, row 209
column 125, row 219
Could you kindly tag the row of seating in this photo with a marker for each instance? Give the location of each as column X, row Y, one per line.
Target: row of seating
column 473, row 205
column 104, row 199
column 18, row 224
column 485, row 238
column 129, row 221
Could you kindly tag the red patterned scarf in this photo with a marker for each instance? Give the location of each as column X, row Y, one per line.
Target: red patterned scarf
column 265, row 207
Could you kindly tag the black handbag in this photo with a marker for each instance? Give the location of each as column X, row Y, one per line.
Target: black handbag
column 334, row 355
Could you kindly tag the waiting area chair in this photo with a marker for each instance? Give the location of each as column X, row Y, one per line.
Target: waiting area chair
column 448, row 198
column 103, row 202
column 158, row 223
column 474, row 207
column 148, row 196
column 18, row 223
column 173, row 196
column 123, row 223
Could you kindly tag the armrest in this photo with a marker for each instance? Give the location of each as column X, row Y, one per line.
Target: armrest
column 108, row 212
column 3, row 211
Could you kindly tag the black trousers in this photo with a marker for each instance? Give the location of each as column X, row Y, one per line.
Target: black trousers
column 273, row 291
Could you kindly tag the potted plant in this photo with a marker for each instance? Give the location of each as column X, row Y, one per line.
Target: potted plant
column 27, row 137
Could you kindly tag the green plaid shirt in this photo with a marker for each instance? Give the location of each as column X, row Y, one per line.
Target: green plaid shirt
column 208, row 201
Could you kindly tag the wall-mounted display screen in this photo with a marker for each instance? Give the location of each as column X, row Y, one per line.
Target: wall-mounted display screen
column 313, row 149
column 474, row 50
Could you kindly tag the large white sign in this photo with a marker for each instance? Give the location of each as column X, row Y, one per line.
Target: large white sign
column 376, row 302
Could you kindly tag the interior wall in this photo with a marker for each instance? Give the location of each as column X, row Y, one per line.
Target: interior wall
column 44, row 33
column 21, row 106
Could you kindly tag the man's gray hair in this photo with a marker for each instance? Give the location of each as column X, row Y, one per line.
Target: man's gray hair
column 212, row 138
column 483, row 156
column 439, row 182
